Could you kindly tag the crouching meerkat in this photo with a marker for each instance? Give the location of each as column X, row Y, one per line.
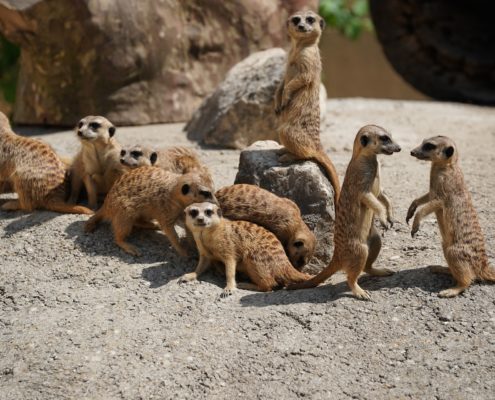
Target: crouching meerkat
column 241, row 246
column 297, row 99
column 462, row 239
column 279, row 215
column 145, row 194
column 97, row 165
column 356, row 241
column 33, row 170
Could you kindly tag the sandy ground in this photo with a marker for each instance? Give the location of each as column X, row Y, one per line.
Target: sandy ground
column 81, row 319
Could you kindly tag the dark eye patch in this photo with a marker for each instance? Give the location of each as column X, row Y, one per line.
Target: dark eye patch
column 298, row 244
column 136, row 154
column 209, row 212
column 94, row 125
column 193, row 213
column 310, row 20
column 296, row 20
column 428, row 147
column 384, row 139
column 122, row 153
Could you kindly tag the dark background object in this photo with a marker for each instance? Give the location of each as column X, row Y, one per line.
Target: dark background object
column 446, row 49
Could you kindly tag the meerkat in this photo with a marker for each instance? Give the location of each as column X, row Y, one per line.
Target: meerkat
column 463, row 242
column 33, row 170
column 297, row 98
column 356, row 240
column 146, row 194
column 97, row 165
column 279, row 215
column 241, row 246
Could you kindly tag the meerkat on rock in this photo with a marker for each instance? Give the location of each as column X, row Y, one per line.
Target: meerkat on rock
column 279, row 215
column 356, row 241
column 462, row 239
column 97, row 165
column 297, row 99
column 241, row 246
column 33, row 170
column 146, row 194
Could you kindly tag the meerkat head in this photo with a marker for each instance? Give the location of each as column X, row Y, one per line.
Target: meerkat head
column 438, row 149
column 191, row 188
column 202, row 215
column 301, row 248
column 373, row 139
column 305, row 25
column 137, row 156
column 95, row 128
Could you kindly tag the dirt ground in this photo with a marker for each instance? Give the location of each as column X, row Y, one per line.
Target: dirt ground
column 80, row 319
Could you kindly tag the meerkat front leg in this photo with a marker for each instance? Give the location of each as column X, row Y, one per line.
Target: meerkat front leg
column 171, row 234
column 90, row 185
column 203, row 264
column 278, row 97
column 292, row 87
column 415, row 204
column 427, row 209
column 230, row 267
column 385, row 200
column 370, row 201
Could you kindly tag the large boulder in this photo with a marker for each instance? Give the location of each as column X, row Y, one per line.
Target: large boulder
column 240, row 111
column 134, row 61
column 303, row 182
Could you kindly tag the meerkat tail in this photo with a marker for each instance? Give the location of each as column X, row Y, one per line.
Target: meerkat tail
column 331, row 172
column 293, row 276
column 488, row 274
column 65, row 208
column 331, row 269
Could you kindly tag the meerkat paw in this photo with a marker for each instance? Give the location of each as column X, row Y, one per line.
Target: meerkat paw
column 451, row 292
column 192, row 276
column 227, row 292
column 361, row 294
column 129, row 249
column 411, row 211
column 12, row 205
column 380, row 272
column 414, row 230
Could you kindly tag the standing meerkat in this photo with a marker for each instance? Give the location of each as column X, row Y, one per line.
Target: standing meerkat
column 356, row 241
column 97, row 165
column 279, row 215
column 297, row 99
column 241, row 246
column 145, row 194
column 462, row 239
column 33, row 170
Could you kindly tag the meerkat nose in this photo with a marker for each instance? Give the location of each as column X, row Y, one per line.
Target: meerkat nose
column 301, row 28
column 200, row 219
column 79, row 133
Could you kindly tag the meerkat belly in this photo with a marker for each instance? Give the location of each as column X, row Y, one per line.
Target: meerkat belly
column 367, row 221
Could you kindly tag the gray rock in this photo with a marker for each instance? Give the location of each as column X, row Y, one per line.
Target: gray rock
column 240, row 111
column 303, row 182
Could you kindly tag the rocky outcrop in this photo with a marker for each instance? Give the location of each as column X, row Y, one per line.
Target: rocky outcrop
column 240, row 111
column 303, row 182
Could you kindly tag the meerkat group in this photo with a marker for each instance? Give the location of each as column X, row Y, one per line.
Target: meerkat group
column 246, row 228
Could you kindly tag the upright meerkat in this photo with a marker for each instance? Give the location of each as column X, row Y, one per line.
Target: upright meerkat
column 145, row 194
column 356, row 241
column 33, row 170
column 462, row 239
column 241, row 246
column 297, row 99
column 279, row 215
column 97, row 165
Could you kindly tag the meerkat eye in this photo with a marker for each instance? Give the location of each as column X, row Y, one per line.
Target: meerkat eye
column 122, row 153
column 298, row 244
column 94, row 125
column 296, row 20
column 209, row 213
column 384, row 139
column 428, row 147
column 136, row 154
column 80, row 124
column 310, row 20
column 193, row 213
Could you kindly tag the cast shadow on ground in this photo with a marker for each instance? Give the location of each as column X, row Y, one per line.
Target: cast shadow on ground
column 22, row 220
column 153, row 245
column 420, row 278
column 161, row 275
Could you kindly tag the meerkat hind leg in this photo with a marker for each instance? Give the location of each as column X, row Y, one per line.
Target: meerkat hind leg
column 439, row 269
column 248, row 286
column 121, row 229
column 354, row 269
column 461, row 271
column 374, row 247
column 11, row 205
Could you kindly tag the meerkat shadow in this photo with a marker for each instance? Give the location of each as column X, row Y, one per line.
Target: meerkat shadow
column 153, row 245
column 165, row 273
column 22, row 220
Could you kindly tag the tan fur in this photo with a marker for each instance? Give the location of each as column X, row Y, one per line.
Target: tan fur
column 241, row 246
column 297, row 99
column 33, row 170
column 279, row 215
column 97, row 165
column 145, row 194
column 356, row 241
column 462, row 239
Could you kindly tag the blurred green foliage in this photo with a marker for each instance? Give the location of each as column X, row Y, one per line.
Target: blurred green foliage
column 9, row 68
column 349, row 17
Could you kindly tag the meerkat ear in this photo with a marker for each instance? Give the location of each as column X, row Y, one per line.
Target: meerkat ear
column 322, row 23
column 219, row 212
column 153, row 158
column 185, row 189
column 111, row 131
column 449, row 152
column 364, row 140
